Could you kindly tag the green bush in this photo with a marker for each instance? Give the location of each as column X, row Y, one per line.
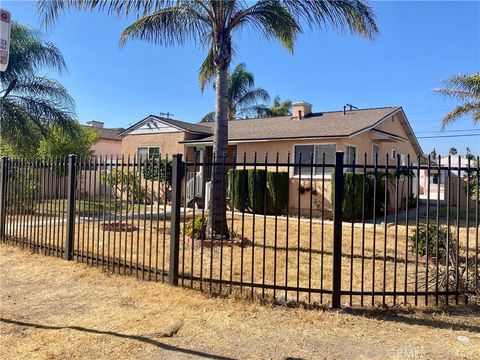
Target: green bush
column 352, row 206
column 431, row 232
column 196, row 229
column 239, row 188
column 127, row 181
column 159, row 170
column 257, row 183
column 278, row 185
column 21, row 199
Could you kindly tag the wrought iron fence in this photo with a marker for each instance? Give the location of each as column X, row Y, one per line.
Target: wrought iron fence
column 310, row 230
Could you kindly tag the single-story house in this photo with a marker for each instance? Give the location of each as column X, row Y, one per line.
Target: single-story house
column 110, row 142
column 384, row 131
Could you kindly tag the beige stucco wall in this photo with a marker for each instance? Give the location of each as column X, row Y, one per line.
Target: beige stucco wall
column 108, row 148
column 169, row 143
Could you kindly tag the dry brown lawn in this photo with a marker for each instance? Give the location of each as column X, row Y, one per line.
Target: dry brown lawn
column 53, row 309
column 304, row 262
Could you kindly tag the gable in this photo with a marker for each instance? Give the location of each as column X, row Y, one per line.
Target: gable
column 151, row 125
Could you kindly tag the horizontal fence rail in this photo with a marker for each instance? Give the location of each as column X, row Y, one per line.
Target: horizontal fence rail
column 321, row 228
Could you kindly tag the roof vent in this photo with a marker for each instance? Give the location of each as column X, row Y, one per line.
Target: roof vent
column 301, row 109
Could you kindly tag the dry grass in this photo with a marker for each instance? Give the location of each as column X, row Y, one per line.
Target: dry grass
column 50, row 309
column 304, row 262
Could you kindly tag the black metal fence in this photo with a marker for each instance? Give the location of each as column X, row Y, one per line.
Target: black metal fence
column 333, row 233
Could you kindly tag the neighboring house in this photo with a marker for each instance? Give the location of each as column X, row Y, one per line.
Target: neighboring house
column 434, row 183
column 383, row 131
column 110, row 143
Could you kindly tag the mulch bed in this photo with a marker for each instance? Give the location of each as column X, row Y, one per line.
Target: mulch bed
column 118, row 226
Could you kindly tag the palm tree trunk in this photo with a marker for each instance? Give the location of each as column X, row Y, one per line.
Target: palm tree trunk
column 217, row 222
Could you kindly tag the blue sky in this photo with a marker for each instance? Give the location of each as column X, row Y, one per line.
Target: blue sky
column 420, row 43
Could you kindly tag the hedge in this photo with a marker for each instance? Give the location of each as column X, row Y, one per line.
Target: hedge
column 353, row 195
column 257, row 183
column 244, row 184
column 278, row 185
column 239, row 188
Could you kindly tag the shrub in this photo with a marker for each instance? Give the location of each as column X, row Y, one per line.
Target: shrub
column 353, row 194
column 278, row 185
column 257, row 183
column 239, row 188
column 21, row 200
column 159, row 170
column 196, row 229
column 433, row 240
column 129, row 181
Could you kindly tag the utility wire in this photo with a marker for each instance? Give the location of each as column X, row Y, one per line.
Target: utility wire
column 446, row 136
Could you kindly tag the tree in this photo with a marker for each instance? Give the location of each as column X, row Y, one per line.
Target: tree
column 60, row 143
column 212, row 24
column 468, row 154
column 280, row 108
column 433, row 154
column 453, row 151
column 465, row 88
column 29, row 102
column 243, row 98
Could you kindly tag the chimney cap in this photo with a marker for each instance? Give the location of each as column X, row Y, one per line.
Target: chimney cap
column 301, row 102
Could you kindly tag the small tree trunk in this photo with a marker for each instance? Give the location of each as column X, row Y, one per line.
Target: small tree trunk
column 217, row 222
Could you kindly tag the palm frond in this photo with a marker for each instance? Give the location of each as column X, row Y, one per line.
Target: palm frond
column 210, row 117
column 169, row 26
column 253, row 96
column 463, row 110
column 207, row 71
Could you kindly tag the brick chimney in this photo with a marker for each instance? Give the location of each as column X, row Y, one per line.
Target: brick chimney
column 95, row 124
column 300, row 109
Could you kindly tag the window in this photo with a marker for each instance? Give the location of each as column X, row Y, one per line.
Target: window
column 403, row 159
column 306, row 152
column 349, row 154
column 150, row 152
column 375, row 152
column 435, row 179
column 394, row 154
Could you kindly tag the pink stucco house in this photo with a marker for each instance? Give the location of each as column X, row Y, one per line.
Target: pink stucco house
column 110, row 143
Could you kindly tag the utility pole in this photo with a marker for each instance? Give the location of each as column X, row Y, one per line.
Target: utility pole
column 166, row 114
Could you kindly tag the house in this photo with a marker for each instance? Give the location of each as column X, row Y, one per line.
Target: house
column 110, row 143
column 384, row 131
column 434, row 184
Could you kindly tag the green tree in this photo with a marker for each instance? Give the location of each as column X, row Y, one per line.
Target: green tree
column 466, row 89
column 280, row 108
column 60, row 143
column 453, row 151
column 213, row 24
column 433, row 154
column 243, row 98
column 30, row 102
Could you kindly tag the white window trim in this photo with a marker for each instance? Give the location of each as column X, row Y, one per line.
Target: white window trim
column 148, row 150
column 372, row 154
column 345, row 152
column 315, row 176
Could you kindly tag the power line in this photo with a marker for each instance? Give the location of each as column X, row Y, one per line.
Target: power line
column 444, row 131
column 446, row 136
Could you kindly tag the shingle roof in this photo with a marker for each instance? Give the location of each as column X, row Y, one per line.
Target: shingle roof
column 107, row 134
column 328, row 124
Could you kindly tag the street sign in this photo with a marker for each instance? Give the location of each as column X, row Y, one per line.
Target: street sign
column 5, row 19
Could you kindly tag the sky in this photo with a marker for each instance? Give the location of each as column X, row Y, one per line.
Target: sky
column 420, row 43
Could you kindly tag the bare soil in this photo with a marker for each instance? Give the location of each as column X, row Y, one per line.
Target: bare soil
column 52, row 309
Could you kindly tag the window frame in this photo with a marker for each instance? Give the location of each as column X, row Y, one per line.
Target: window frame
column 149, row 157
column 373, row 154
column 315, row 176
column 345, row 152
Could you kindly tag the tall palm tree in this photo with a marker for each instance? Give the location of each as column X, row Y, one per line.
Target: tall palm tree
column 465, row 88
column 243, row 98
column 213, row 25
column 29, row 103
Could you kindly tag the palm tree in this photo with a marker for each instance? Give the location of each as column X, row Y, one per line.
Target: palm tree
column 244, row 100
column 280, row 108
column 465, row 88
column 29, row 103
column 213, row 25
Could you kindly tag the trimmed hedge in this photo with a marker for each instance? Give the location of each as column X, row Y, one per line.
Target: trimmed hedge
column 352, row 208
column 239, row 188
column 248, row 187
column 257, row 183
column 278, row 185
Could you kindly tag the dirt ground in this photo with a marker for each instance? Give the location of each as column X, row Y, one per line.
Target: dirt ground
column 50, row 308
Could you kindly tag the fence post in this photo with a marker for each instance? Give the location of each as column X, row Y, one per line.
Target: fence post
column 175, row 219
column 337, row 232
column 3, row 196
column 72, row 188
